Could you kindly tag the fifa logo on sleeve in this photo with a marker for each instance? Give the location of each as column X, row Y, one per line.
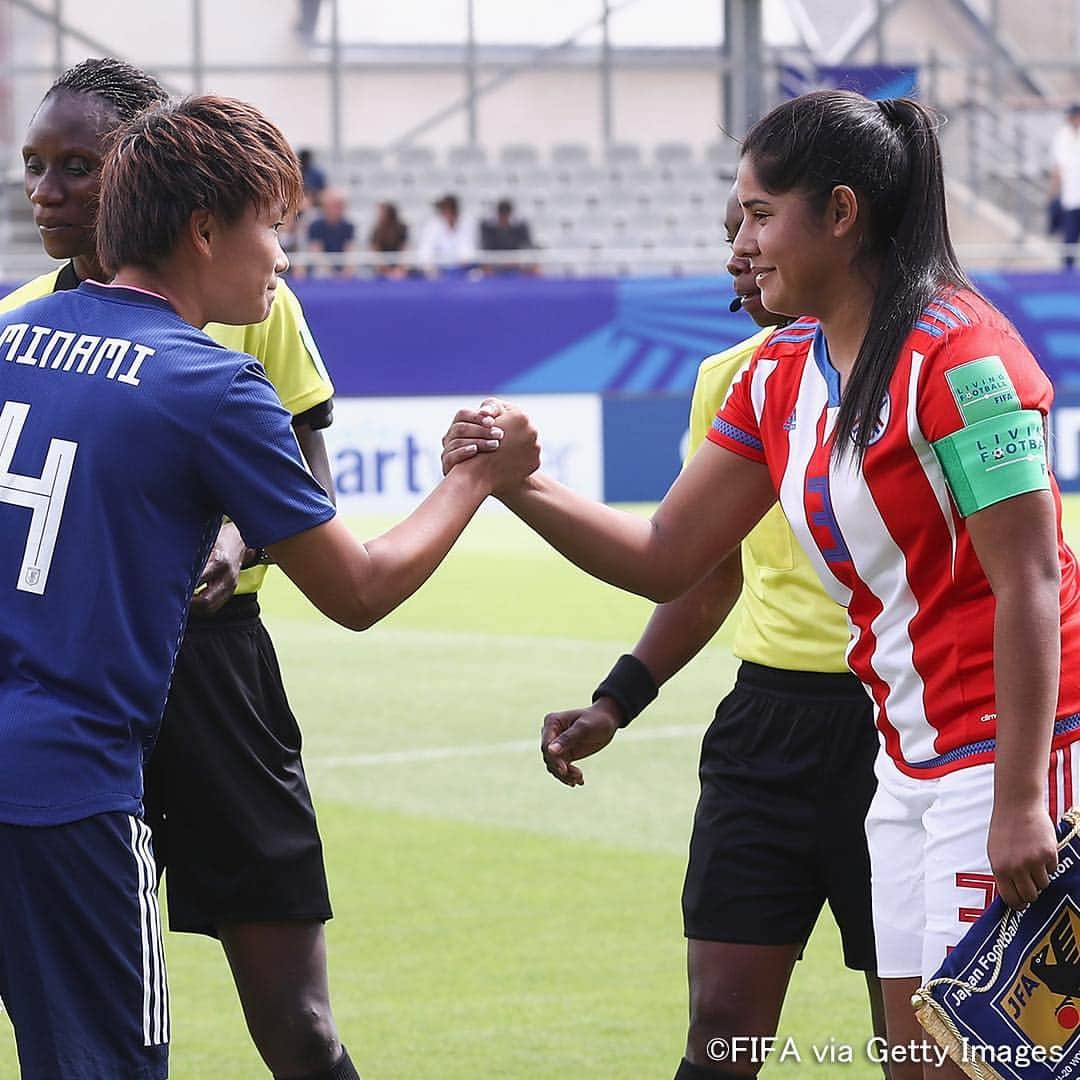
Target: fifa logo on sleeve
column 42, row 495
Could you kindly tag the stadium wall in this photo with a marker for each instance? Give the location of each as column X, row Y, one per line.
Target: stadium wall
column 614, row 361
column 605, row 365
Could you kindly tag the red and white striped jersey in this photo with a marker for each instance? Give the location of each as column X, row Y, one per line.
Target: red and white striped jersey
column 885, row 536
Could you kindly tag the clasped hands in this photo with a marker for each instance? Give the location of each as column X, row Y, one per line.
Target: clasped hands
column 475, row 435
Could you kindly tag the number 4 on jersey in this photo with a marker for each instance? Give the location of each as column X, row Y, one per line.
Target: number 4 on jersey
column 43, row 495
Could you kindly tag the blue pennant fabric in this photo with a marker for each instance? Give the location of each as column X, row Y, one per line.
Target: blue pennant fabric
column 1006, row 1002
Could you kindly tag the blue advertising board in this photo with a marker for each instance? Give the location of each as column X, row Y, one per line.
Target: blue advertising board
column 623, row 339
column 603, row 335
column 644, row 441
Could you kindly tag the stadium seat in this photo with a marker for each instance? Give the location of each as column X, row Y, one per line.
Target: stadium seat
column 673, row 153
column 618, row 199
column 585, row 177
column 648, row 222
column 723, row 156
column 622, row 153
column 415, row 157
column 535, row 177
column 484, row 178
column 704, row 176
column 573, row 208
column 458, row 156
column 677, row 240
column 432, row 183
column 566, row 154
column 363, row 157
column 515, row 156
column 378, row 182
column 635, row 176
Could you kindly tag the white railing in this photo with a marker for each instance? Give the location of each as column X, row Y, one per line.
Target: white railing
column 1030, row 255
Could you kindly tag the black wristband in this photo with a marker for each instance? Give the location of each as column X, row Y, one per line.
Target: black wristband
column 630, row 685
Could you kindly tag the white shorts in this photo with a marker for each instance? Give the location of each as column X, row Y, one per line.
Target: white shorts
column 930, row 875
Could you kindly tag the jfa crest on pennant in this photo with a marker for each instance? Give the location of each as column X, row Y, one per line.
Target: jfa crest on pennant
column 1042, row 1000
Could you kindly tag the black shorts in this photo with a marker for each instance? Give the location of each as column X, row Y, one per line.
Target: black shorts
column 226, row 794
column 787, row 774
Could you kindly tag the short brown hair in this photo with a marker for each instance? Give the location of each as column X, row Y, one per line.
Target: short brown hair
column 202, row 153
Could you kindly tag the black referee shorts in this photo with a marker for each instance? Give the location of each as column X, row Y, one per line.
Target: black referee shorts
column 226, row 794
column 787, row 774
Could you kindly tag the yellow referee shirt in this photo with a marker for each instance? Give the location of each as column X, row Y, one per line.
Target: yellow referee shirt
column 282, row 343
column 785, row 620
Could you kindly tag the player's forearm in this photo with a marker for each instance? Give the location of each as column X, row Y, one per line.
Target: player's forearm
column 406, row 556
column 358, row 584
column 678, row 630
column 1027, row 659
column 612, row 545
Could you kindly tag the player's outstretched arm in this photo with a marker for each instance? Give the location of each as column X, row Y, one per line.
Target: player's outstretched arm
column 356, row 584
column 1016, row 543
column 694, row 528
column 675, row 633
column 714, row 503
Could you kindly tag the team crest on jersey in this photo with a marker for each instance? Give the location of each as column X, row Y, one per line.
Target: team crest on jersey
column 1042, row 1000
column 881, row 424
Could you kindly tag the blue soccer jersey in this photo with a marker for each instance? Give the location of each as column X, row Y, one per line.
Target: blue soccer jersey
column 125, row 434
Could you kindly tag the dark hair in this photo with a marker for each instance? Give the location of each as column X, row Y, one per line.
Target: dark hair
column 887, row 152
column 202, row 153
column 449, row 203
column 389, row 233
column 504, row 206
column 125, row 88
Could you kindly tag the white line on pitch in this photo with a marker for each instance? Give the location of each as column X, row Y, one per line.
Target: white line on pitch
column 515, row 746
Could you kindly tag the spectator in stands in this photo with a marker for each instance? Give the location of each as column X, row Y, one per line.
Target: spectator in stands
column 448, row 242
column 1065, row 179
column 389, row 234
column 505, row 232
column 332, row 231
column 314, row 178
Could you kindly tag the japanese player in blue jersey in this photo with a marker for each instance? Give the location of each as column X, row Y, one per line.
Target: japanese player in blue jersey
column 125, row 434
column 226, row 797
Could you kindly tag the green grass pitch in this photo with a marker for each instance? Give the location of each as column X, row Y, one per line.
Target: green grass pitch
column 490, row 922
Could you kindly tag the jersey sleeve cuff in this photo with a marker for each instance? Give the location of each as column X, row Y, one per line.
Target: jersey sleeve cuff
column 733, row 438
column 318, row 418
column 312, row 521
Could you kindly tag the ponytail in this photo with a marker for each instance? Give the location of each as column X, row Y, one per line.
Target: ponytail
column 887, row 152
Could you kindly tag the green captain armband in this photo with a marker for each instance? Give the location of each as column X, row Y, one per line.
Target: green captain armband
column 994, row 459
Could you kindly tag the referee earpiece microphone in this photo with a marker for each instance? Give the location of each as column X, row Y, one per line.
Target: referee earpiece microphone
column 735, row 304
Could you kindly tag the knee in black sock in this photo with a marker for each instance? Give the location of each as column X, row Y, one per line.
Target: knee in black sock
column 342, row 1069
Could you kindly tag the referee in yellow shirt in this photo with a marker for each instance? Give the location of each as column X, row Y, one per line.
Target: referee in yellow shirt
column 225, row 791
column 786, row 766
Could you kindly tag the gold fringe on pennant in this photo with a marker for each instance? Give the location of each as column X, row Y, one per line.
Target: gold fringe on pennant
column 938, row 1025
